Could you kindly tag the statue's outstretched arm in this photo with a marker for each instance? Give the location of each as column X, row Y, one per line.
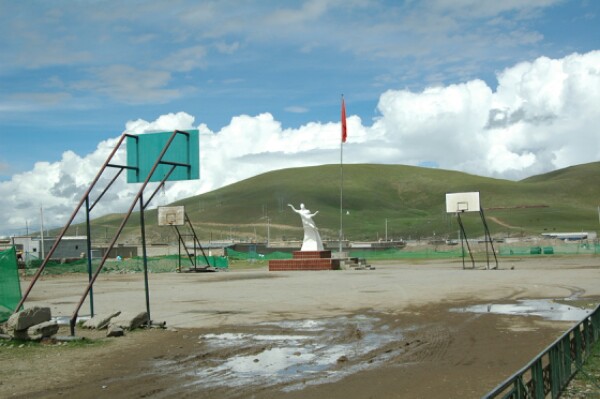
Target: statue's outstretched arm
column 292, row 206
column 314, row 214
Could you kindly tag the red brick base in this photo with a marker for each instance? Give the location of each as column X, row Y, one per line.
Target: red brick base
column 306, row 260
column 311, row 254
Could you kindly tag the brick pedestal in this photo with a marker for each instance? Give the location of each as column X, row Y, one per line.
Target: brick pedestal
column 306, row 260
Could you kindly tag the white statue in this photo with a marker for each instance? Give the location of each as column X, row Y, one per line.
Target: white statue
column 312, row 239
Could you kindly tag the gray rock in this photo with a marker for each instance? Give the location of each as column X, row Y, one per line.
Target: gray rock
column 100, row 321
column 45, row 329
column 161, row 324
column 29, row 317
column 114, row 331
column 39, row 331
column 23, row 335
column 130, row 321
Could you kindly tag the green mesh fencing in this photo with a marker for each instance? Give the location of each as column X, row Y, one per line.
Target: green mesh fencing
column 381, row 254
column 219, row 262
column 402, row 254
column 561, row 249
column 158, row 264
column 256, row 256
column 431, row 253
column 10, row 287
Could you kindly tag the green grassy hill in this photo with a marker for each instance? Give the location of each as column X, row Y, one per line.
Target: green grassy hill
column 412, row 199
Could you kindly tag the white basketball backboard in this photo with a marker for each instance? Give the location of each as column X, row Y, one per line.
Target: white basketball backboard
column 171, row 215
column 462, row 202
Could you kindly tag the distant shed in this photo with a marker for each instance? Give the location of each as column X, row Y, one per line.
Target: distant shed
column 579, row 236
column 69, row 247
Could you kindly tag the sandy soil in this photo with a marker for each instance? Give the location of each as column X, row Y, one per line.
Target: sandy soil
column 393, row 332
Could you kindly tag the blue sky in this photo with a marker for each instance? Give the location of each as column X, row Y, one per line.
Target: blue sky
column 74, row 73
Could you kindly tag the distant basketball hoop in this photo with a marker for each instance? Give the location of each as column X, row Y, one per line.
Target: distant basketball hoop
column 462, row 202
column 458, row 203
column 171, row 215
column 176, row 217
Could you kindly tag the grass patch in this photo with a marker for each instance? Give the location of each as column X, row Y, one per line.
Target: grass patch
column 408, row 200
column 23, row 348
column 586, row 383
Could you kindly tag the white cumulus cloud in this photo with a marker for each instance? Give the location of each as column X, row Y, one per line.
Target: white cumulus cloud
column 542, row 115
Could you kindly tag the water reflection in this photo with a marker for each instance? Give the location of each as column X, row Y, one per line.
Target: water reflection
column 545, row 308
column 292, row 352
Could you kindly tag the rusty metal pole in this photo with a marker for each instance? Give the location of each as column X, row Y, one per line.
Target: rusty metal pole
column 64, row 230
column 144, row 256
column 119, row 230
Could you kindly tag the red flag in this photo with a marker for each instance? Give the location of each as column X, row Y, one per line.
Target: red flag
column 344, row 133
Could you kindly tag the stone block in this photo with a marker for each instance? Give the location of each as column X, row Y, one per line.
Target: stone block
column 26, row 318
column 45, row 329
column 114, row 331
column 130, row 321
column 24, row 335
column 100, row 321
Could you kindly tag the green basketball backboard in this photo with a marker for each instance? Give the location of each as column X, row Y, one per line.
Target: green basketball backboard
column 143, row 150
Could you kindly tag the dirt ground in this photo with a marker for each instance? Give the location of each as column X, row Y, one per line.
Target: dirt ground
column 400, row 331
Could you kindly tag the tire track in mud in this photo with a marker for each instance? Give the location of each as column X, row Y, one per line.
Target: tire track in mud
column 432, row 345
column 576, row 292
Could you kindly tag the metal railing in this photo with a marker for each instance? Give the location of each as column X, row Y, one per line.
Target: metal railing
column 549, row 373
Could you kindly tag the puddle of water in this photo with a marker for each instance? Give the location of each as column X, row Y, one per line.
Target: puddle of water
column 302, row 325
column 305, row 351
column 545, row 308
column 286, row 361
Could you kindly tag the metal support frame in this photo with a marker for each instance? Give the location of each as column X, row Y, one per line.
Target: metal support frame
column 192, row 257
column 487, row 238
column 88, row 230
column 85, row 200
column 139, row 197
column 464, row 234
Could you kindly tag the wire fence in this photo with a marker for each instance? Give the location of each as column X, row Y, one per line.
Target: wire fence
column 10, row 287
column 549, row 373
column 158, row 264
column 170, row 263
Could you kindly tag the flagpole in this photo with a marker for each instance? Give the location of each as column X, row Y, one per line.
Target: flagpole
column 341, row 194
column 343, row 139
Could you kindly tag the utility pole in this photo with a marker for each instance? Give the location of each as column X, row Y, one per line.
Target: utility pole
column 42, row 232
column 268, row 231
column 386, row 237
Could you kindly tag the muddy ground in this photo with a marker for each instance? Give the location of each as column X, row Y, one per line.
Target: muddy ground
column 400, row 331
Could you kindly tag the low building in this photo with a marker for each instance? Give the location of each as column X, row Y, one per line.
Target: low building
column 73, row 247
column 584, row 235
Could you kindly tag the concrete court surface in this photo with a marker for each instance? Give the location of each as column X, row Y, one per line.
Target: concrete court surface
column 390, row 332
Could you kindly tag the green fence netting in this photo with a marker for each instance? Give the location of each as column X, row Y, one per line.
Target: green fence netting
column 170, row 263
column 158, row 264
column 252, row 255
column 10, row 287
column 403, row 254
column 561, row 249
column 433, row 253
column 381, row 254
